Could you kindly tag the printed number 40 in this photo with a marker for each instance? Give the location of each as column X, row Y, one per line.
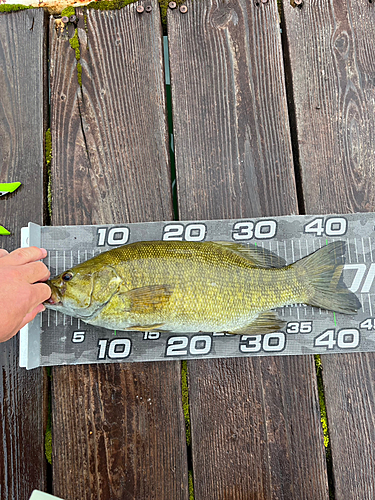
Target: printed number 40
column 347, row 338
column 333, row 226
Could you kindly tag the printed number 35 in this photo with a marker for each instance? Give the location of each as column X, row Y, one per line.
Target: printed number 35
column 299, row 327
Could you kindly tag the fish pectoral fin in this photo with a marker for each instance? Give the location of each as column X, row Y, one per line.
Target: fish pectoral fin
column 148, row 298
column 257, row 256
column 148, row 328
column 266, row 322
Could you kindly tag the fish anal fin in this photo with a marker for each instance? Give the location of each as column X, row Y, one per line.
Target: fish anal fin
column 148, row 298
column 257, row 256
column 266, row 322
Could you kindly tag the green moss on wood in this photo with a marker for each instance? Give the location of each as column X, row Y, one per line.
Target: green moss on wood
column 323, row 410
column 186, row 410
column 324, row 421
column 48, row 444
column 14, row 8
column 163, row 11
column 185, row 401
column 119, row 4
column 74, row 43
column 48, row 433
column 109, row 4
column 68, row 11
column 48, row 149
column 48, row 153
column 191, row 485
column 163, row 4
column 79, row 73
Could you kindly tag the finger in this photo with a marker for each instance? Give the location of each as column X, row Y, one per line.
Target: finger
column 8, row 336
column 31, row 315
column 40, row 293
column 3, row 252
column 23, row 256
column 35, row 271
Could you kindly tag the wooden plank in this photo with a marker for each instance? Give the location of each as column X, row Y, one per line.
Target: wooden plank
column 332, row 53
column 256, row 429
column 118, row 430
column 22, row 130
column 231, row 117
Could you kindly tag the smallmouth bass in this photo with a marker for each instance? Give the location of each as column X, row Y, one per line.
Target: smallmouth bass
column 181, row 286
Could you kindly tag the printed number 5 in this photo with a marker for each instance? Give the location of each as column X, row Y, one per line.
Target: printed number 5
column 78, row 337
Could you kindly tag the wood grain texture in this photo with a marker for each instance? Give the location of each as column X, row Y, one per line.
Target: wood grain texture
column 118, row 430
column 230, row 111
column 332, row 54
column 256, row 430
column 22, row 129
column 332, row 57
column 112, row 133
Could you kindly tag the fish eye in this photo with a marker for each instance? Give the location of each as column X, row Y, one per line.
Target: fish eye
column 67, row 276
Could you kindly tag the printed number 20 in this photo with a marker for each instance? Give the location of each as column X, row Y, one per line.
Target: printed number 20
column 180, row 346
column 192, row 232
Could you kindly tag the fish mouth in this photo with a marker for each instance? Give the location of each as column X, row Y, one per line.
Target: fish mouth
column 55, row 298
column 52, row 302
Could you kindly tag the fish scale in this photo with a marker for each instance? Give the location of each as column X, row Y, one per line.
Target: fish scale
column 55, row 338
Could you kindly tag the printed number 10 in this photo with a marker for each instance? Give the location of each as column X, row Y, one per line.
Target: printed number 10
column 113, row 237
column 114, row 349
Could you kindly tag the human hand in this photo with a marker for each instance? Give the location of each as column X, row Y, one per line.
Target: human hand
column 21, row 296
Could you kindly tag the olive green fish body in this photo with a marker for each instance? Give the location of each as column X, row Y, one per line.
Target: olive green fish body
column 190, row 287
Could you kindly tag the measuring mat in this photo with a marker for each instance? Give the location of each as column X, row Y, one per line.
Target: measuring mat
column 55, row 339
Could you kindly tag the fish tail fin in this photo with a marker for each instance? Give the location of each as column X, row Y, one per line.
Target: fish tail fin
column 321, row 272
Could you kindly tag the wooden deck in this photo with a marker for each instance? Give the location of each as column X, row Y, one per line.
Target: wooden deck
column 264, row 123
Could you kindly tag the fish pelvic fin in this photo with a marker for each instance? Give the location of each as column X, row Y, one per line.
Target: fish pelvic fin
column 148, row 299
column 321, row 272
column 266, row 322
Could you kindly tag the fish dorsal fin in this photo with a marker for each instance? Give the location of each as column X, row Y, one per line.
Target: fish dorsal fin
column 257, row 256
column 266, row 322
column 147, row 299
